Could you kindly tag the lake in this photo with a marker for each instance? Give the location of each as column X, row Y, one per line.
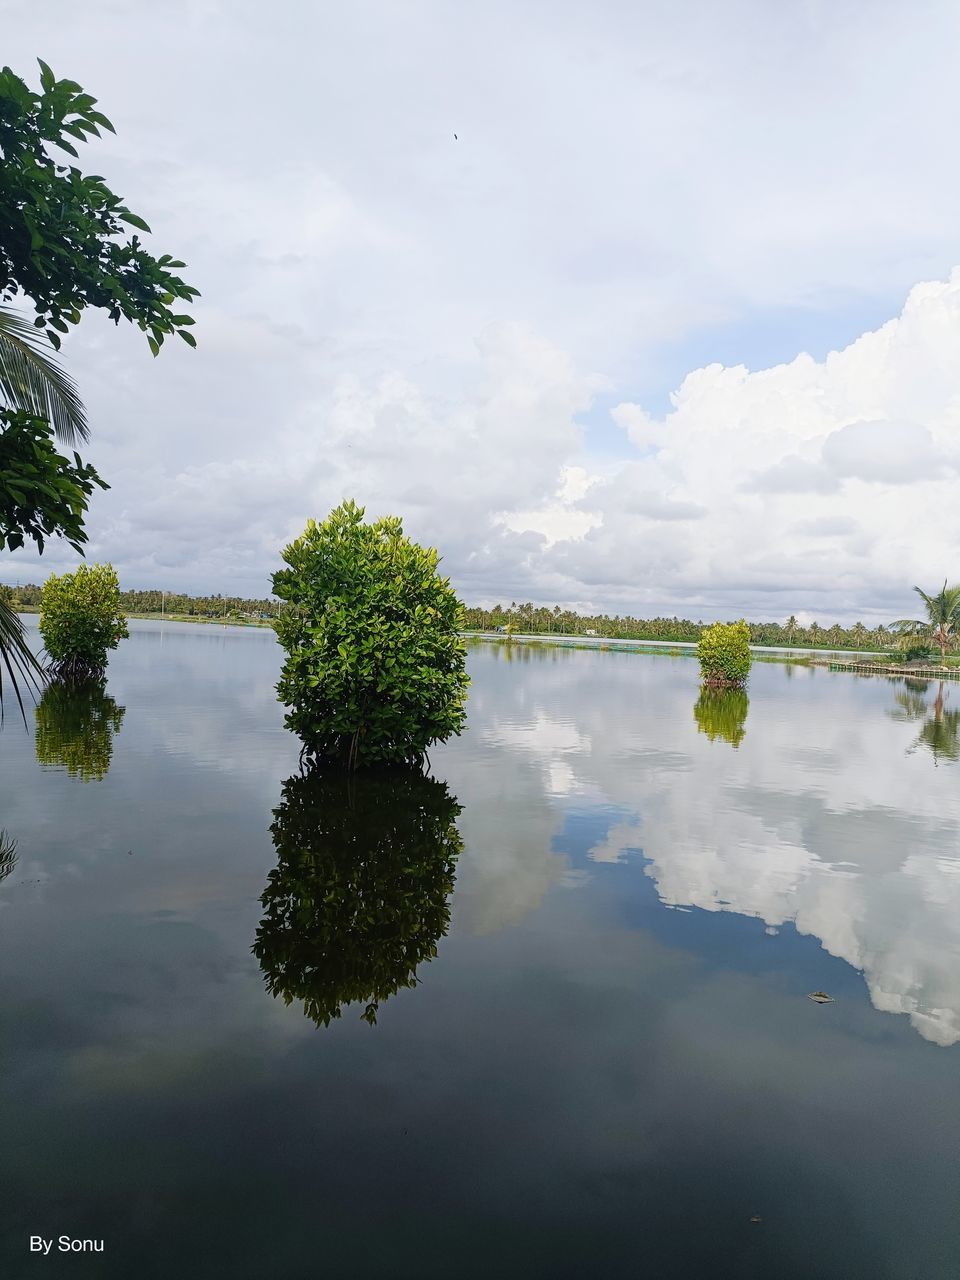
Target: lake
column 610, row 1068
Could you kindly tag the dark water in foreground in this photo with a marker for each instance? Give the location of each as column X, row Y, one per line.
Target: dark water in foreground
column 610, row 1068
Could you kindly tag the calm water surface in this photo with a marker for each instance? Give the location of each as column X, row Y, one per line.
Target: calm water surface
column 610, row 1068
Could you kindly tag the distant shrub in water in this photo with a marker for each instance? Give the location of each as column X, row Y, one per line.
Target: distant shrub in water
column 376, row 668
column 81, row 621
column 724, row 653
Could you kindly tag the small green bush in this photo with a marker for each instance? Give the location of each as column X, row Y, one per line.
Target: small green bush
column 376, row 667
column 81, row 621
column 918, row 653
column 724, row 653
column 914, row 648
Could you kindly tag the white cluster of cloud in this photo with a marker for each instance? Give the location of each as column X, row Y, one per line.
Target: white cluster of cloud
column 479, row 333
column 824, row 482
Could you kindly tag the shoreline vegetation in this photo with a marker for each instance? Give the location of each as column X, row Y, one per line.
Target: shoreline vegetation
column 526, row 619
column 527, row 624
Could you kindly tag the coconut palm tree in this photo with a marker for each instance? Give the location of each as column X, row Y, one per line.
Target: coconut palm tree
column 31, row 381
column 942, row 623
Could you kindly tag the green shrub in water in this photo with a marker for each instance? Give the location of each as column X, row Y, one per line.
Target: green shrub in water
column 81, row 621
column 724, row 653
column 376, row 668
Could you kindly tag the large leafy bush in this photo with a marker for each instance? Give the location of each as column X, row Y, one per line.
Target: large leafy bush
column 81, row 621
column 64, row 242
column 376, row 667
column 724, row 653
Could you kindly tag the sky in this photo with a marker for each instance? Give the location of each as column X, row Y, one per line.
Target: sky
column 671, row 325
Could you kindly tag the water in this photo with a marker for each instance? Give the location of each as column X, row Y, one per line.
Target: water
column 610, row 1068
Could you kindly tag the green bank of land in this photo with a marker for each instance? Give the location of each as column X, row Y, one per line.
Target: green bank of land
column 527, row 623
column 526, row 619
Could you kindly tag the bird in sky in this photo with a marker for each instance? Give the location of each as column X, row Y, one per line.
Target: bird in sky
column 455, row 138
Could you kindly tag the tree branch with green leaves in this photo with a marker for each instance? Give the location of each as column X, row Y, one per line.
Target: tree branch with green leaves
column 65, row 244
column 64, row 238
column 43, row 494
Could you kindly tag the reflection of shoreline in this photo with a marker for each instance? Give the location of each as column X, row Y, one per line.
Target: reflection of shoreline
column 871, row 882
column 940, row 730
column 817, row 819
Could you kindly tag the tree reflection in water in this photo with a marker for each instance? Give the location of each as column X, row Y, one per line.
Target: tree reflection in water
column 359, row 896
column 940, row 732
column 722, row 713
column 8, row 855
column 75, row 728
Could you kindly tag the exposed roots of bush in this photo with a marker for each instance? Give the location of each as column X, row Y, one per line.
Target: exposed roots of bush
column 74, row 671
column 347, row 759
column 722, row 682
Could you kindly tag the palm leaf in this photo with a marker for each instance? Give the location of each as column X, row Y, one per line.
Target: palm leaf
column 942, row 623
column 17, row 659
column 32, row 381
column 929, row 601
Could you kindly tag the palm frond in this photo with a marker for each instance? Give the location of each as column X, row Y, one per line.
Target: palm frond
column 943, row 615
column 928, row 600
column 17, row 659
column 32, row 381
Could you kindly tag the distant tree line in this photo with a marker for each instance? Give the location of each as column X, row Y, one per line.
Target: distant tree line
column 522, row 618
column 174, row 603
column 541, row 620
